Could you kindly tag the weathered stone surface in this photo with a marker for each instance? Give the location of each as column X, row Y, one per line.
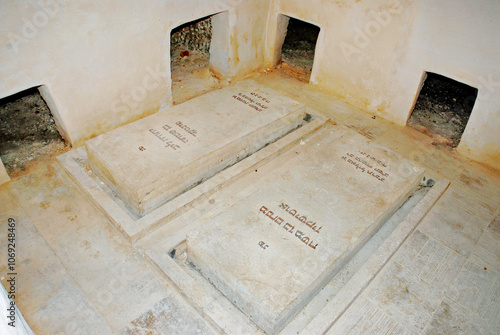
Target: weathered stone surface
column 4, row 177
column 154, row 159
column 172, row 316
column 272, row 251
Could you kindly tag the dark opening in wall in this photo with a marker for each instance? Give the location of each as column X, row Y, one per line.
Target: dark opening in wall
column 28, row 131
column 443, row 108
column 190, row 58
column 298, row 48
column 194, row 36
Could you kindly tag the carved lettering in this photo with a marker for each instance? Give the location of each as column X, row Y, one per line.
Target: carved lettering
column 289, row 227
column 252, row 101
column 169, row 143
column 302, row 218
column 179, row 136
column 186, row 128
column 317, row 229
column 260, row 97
column 368, row 156
column 365, row 167
column 270, row 215
column 263, row 245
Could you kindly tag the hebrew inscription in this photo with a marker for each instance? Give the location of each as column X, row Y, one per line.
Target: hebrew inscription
column 255, row 101
column 302, row 220
column 290, row 228
column 174, row 137
column 363, row 163
column 152, row 160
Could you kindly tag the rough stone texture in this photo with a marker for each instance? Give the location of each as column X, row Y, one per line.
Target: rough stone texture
column 365, row 318
column 272, row 251
column 154, row 159
column 28, row 132
column 193, row 35
column 300, row 42
column 169, row 316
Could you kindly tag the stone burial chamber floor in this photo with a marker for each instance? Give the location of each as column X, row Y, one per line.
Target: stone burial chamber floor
column 274, row 249
column 145, row 173
column 432, row 268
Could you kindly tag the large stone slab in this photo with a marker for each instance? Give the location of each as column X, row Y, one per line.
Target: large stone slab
column 154, row 159
column 313, row 209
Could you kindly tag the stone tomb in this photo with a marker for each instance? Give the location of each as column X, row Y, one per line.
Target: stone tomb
column 152, row 160
column 312, row 210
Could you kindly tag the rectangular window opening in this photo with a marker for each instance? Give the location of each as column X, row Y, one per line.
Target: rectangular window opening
column 190, row 59
column 28, row 132
column 443, row 108
column 297, row 52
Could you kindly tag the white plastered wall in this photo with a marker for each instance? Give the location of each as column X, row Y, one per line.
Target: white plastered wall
column 372, row 54
column 102, row 64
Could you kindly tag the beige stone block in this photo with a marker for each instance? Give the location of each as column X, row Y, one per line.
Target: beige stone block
column 313, row 209
column 157, row 158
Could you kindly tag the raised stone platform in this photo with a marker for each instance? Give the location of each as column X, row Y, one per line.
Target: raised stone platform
column 157, row 158
column 274, row 249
